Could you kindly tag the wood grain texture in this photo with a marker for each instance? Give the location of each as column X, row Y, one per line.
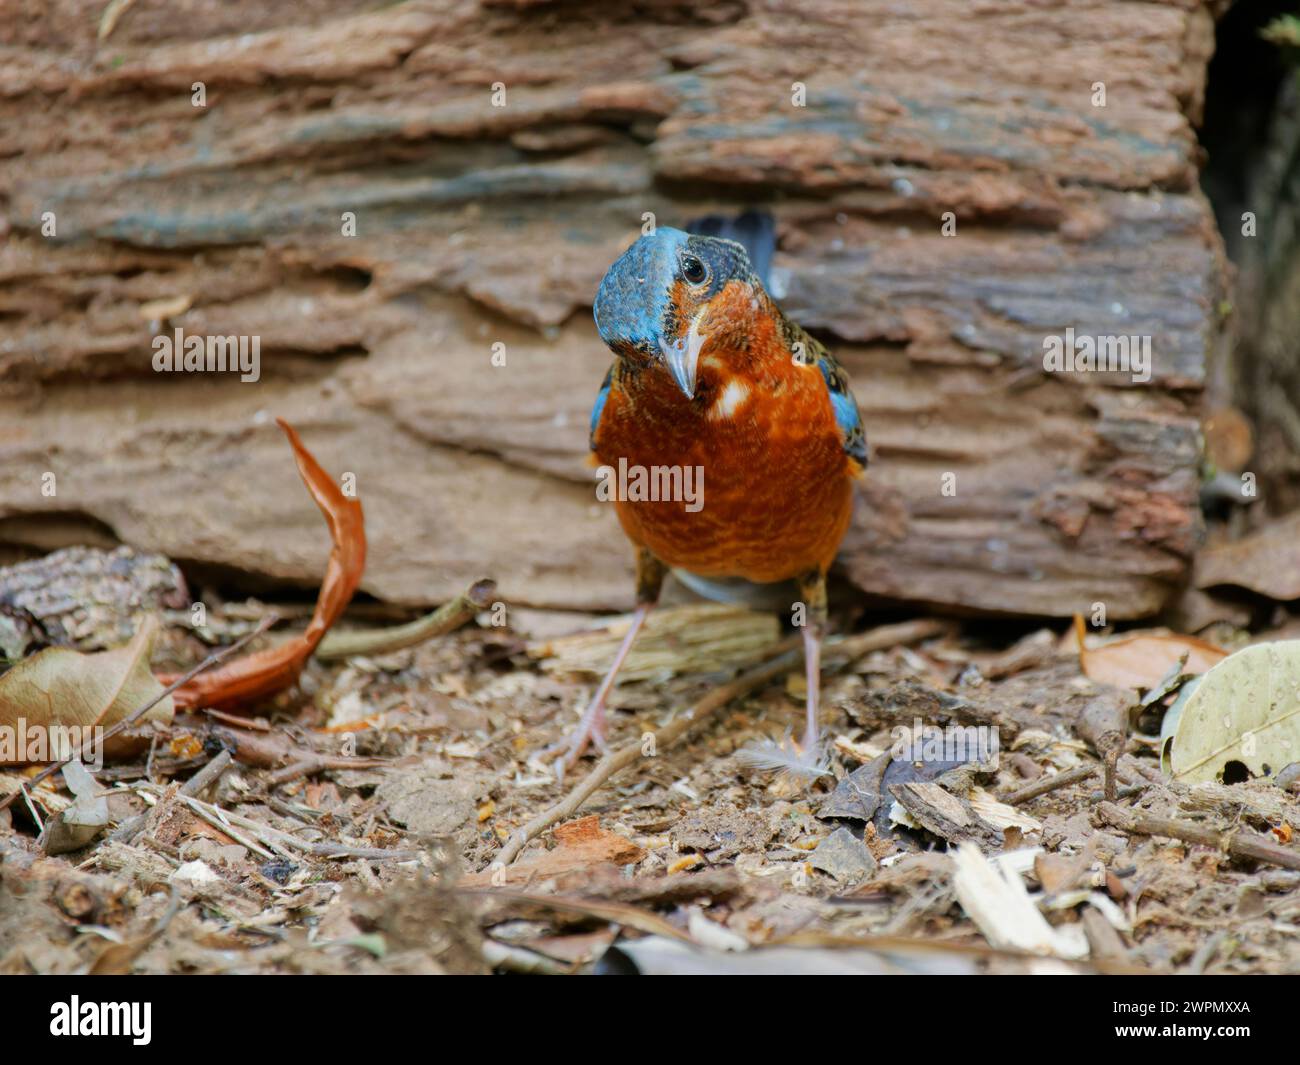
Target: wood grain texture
column 478, row 224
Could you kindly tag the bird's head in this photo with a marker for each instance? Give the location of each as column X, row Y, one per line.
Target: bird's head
column 671, row 294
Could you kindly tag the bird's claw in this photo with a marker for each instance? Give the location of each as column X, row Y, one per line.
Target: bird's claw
column 574, row 745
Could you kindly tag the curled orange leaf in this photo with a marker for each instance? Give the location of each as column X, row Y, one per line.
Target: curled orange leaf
column 258, row 676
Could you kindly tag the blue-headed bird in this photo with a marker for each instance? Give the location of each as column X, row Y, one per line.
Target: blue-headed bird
column 709, row 375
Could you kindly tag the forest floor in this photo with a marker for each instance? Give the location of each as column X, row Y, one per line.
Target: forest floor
column 359, row 822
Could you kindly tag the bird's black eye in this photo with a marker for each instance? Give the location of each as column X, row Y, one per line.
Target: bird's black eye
column 693, row 269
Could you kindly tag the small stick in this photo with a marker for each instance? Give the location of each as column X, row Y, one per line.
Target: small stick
column 213, row 659
column 194, row 787
column 315, row 763
column 1043, row 785
column 343, row 850
column 614, row 761
column 252, row 724
column 883, row 636
column 1238, row 842
column 1126, row 792
column 31, row 808
column 223, row 819
column 222, row 825
column 209, row 774
column 448, row 617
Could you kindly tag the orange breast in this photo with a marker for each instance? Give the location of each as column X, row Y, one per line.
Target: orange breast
column 762, row 448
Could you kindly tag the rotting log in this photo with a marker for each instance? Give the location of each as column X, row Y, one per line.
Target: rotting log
column 478, row 224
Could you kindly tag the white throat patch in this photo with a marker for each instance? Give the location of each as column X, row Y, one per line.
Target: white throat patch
column 733, row 396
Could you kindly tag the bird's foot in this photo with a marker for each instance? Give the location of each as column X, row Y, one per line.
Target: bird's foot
column 811, row 741
column 566, row 752
column 591, row 729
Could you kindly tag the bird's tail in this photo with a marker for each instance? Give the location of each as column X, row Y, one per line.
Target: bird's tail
column 754, row 229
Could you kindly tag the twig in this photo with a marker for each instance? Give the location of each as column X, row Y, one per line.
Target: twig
column 315, row 763
column 305, row 814
column 213, row 659
column 850, row 647
column 219, row 820
column 1046, row 784
column 1104, row 723
column 1239, row 843
column 1126, row 792
column 31, row 808
column 448, row 617
column 344, row 850
column 195, row 786
column 209, row 774
column 273, row 837
column 884, row 636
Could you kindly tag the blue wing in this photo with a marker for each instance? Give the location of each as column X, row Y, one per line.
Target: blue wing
column 847, row 415
column 601, row 396
column 845, row 407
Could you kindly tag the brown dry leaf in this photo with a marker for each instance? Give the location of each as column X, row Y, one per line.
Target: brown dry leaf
column 60, row 688
column 1266, row 562
column 1143, row 661
column 249, row 680
column 580, row 844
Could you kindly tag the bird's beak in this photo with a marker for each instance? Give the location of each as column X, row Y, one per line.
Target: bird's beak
column 683, row 357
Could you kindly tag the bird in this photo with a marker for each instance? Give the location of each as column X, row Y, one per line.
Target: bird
column 710, row 378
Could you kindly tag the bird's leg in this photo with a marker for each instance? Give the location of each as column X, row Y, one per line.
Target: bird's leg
column 650, row 574
column 813, row 589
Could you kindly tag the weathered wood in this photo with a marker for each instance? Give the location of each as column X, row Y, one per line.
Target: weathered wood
column 478, row 224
